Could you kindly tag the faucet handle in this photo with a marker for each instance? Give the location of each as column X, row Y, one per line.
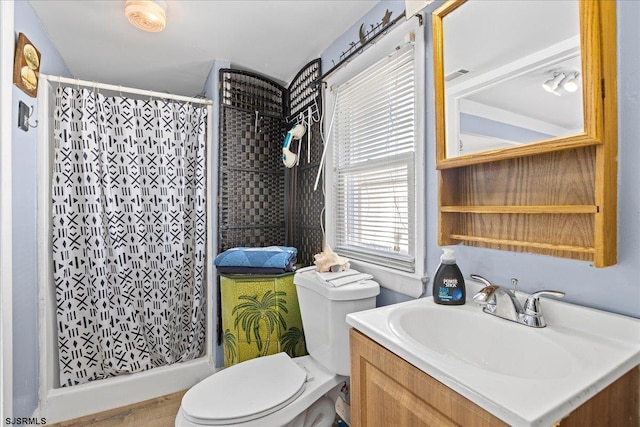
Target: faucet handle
column 481, row 279
column 532, row 304
column 485, row 295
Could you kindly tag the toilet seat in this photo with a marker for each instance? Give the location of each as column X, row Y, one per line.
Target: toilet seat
column 246, row 391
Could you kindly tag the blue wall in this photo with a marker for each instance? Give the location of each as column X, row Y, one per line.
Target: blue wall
column 331, row 56
column 25, row 256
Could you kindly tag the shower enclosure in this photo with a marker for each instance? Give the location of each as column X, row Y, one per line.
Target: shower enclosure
column 125, row 223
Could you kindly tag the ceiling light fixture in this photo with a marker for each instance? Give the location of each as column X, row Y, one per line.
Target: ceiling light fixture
column 147, row 15
column 570, row 84
column 553, row 83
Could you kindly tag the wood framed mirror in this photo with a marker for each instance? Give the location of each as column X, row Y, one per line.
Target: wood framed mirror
column 516, row 62
column 556, row 195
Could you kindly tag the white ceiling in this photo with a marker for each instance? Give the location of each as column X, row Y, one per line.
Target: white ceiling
column 274, row 38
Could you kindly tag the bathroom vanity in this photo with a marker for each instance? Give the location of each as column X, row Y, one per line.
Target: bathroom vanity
column 387, row 390
column 422, row 364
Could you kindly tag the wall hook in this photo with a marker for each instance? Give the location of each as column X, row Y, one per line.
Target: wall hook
column 24, row 114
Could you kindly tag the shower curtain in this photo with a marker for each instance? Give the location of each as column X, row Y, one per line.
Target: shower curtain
column 129, row 233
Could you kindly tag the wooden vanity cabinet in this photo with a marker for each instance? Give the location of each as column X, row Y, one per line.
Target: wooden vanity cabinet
column 387, row 391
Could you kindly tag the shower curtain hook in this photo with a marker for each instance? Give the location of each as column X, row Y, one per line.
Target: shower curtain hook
column 120, row 90
column 78, row 84
column 59, row 81
column 150, row 95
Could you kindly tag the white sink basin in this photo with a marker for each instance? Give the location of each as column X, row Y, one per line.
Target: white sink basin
column 463, row 336
column 525, row 376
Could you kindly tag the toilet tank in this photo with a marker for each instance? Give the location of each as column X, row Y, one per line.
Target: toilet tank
column 324, row 309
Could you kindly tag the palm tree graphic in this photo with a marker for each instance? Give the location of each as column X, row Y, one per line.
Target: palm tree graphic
column 291, row 340
column 254, row 311
column 229, row 341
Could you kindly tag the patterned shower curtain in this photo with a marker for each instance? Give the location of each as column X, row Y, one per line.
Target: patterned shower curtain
column 129, row 233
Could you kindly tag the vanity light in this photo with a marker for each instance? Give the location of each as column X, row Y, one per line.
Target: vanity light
column 553, row 83
column 571, row 83
column 147, row 15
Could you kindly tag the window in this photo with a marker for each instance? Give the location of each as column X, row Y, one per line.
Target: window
column 374, row 157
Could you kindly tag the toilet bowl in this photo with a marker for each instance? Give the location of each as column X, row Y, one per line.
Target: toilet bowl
column 278, row 390
column 281, row 395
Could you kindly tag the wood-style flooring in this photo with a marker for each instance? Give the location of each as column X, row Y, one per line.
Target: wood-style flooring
column 158, row 412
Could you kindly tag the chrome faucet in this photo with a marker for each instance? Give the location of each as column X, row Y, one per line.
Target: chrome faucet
column 503, row 303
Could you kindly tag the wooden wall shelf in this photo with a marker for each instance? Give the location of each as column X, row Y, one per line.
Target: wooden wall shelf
column 504, row 242
column 566, row 209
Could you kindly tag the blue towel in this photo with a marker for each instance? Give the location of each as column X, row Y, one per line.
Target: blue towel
column 269, row 260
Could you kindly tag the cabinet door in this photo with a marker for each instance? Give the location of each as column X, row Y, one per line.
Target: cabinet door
column 616, row 405
column 385, row 402
column 388, row 391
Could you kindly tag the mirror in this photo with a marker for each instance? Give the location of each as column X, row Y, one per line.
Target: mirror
column 509, row 75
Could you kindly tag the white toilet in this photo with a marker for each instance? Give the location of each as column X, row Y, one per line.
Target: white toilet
column 278, row 390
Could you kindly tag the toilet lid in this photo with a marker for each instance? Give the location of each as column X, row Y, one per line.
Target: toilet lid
column 245, row 391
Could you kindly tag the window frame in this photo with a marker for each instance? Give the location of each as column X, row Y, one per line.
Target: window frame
column 407, row 283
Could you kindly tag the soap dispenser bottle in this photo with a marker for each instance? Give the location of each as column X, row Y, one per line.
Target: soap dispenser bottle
column 448, row 283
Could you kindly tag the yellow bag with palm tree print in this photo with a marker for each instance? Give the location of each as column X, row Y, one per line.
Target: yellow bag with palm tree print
column 260, row 316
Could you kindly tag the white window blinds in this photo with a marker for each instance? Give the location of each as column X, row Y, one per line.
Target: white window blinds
column 374, row 157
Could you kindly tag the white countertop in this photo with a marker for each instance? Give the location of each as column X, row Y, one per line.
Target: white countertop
column 594, row 349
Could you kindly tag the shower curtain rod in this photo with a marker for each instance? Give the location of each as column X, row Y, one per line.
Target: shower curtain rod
column 116, row 88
